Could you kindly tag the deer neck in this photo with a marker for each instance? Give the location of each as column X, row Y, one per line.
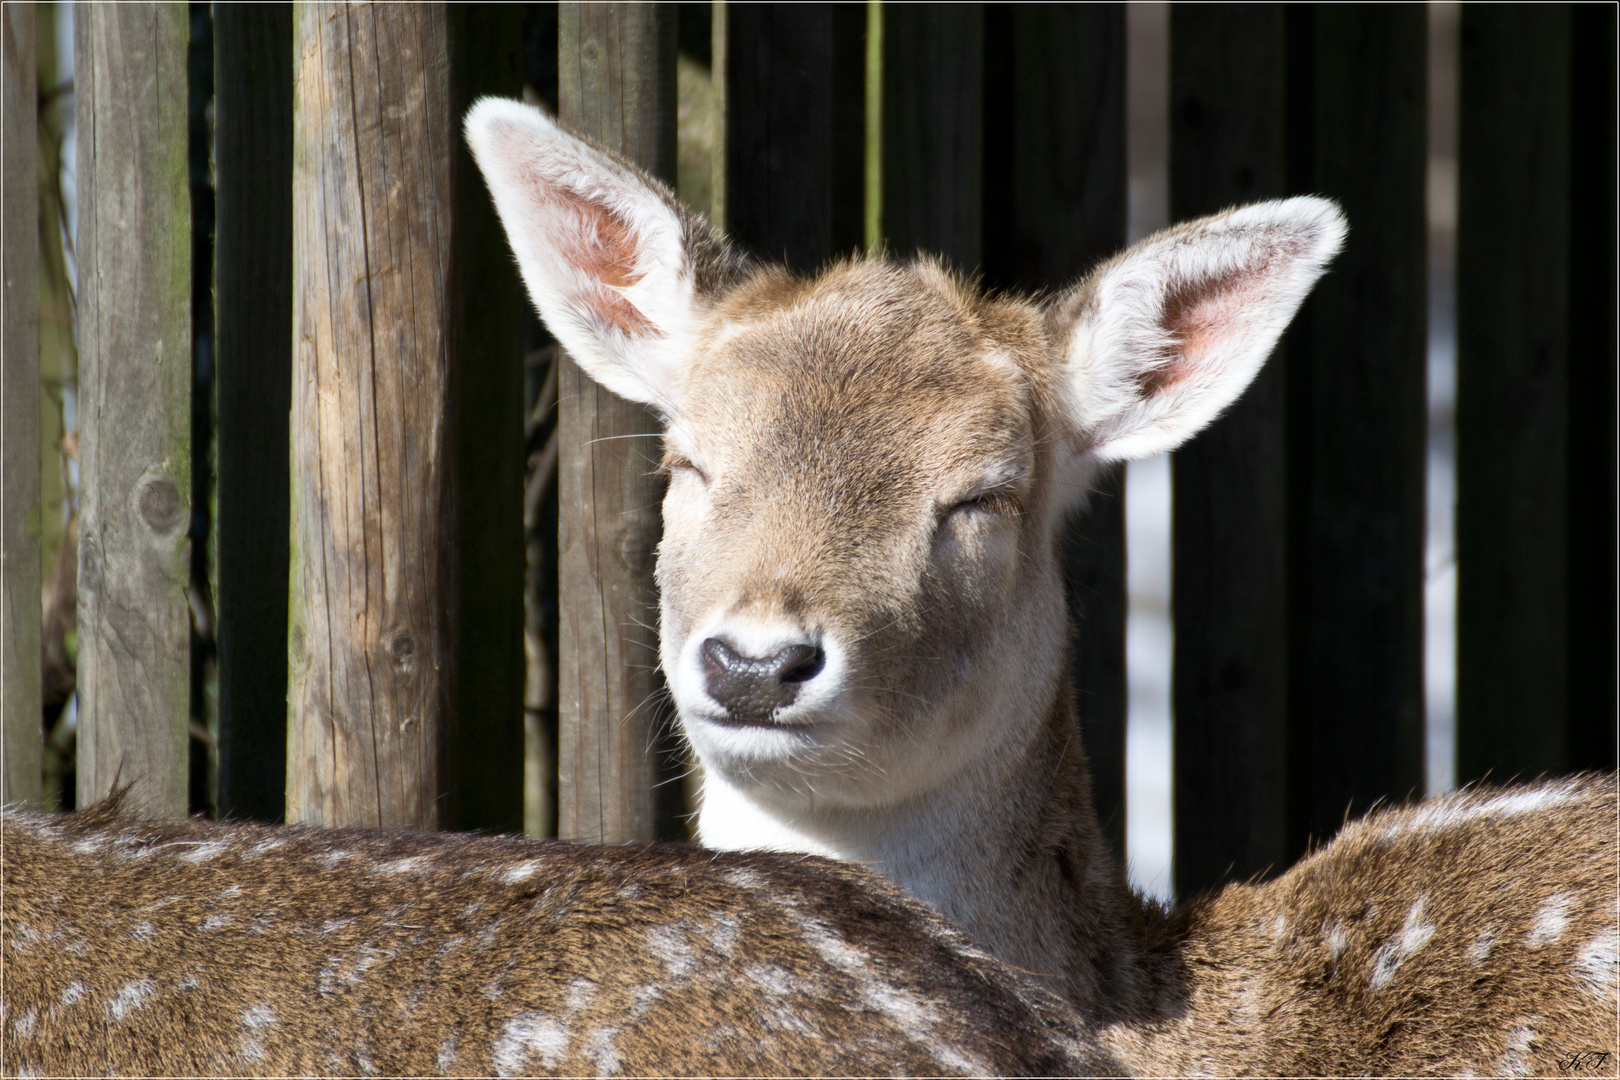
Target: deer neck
column 1009, row 848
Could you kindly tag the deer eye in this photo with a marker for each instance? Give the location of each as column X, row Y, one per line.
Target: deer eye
column 999, row 503
column 679, row 464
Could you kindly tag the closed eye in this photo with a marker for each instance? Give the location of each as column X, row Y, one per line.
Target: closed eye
column 674, row 464
column 999, row 502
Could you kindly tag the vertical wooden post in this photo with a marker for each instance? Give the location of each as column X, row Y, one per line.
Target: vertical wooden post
column 1229, row 498
column 1356, row 416
column 370, row 609
column 933, row 130
column 616, row 84
column 253, row 143
column 1054, row 205
column 793, row 130
column 134, row 256
column 485, row 784
column 20, row 748
column 1513, row 248
column 1592, row 385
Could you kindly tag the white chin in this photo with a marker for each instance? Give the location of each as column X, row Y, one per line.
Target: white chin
column 728, row 746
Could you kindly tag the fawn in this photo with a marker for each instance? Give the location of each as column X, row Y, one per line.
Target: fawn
column 195, row 948
column 862, row 625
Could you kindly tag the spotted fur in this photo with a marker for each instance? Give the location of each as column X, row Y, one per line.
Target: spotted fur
column 187, row 948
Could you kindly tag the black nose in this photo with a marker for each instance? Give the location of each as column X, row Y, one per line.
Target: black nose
column 752, row 688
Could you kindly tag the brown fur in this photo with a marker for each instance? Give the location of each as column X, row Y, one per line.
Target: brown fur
column 191, row 948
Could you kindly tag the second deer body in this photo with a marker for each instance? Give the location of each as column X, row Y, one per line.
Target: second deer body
column 864, row 631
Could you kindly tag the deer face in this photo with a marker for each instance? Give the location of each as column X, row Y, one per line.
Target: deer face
column 859, row 585
column 857, row 510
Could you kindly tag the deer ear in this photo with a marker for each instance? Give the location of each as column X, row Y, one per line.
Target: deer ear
column 620, row 273
column 1162, row 338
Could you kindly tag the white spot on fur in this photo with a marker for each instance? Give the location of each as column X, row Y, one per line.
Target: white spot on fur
column 603, row 1051
column 669, row 944
column 446, row 1056
column 1550, row 922
column 580, row 993
column 204, row 851
column 743, row 878
column 1279, row 927
column 230, row 891
column 331, row 925
column 130, row 998
column 1597, row 964
column 263, row 847
column 521, row 872
column 332, row 858
column 23, row 1026
column 1413, row 936
column 722, row 933
column 215, row 922
column 1482, row 946
column 1515, row 1060
column 74, row 991
column 525, row 1034
column 1336, row 941
column 260, row 1016
column 415, row 864
column 362, row 1055
column 189, row 981
column 492, row 990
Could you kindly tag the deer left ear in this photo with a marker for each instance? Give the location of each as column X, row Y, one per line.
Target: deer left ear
column 618, row 270
column 1162, row 338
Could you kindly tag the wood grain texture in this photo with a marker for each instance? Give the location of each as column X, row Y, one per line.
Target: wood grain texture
column 1054, row 206
column 1229, row 497
column 1593, row 451
column 616, row 84
column 794, row 141
column 1357, row 419
column 20, row 746
column 134, row 261
column 485, row 764
column 933, row 131
column 253, row 129
column 371, row 606
column 1513, row 246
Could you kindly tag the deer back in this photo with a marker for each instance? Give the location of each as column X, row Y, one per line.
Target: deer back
column 193, row 948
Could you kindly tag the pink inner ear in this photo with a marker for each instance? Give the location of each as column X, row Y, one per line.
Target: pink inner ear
column 1197, row 317
column 605, row 250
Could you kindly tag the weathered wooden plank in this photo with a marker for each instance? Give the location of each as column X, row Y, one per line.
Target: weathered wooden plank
column 20, row 745
column 1054, row 205
column 1592, row 392
column 253, row 246
column 485, row 787
column 1357, row 416
column 134, row 261
column 933, row 130
column 616, row 84
column 793, row 148
column 1229, row 498
column 1513, row 259
column 371, row 660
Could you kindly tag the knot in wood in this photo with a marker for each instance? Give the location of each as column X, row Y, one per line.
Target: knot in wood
column 402, row 647
column 160, row 505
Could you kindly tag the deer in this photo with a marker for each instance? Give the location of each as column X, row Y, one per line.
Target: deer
column 862, row 625
column 198, row 948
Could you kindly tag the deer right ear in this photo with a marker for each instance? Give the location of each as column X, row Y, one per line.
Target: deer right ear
column 617, row 269
column 1162, row 338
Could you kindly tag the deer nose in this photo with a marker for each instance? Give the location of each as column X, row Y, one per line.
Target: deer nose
column 752, row 688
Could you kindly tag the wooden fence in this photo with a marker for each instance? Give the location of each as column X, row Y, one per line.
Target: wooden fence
column 371, row 669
